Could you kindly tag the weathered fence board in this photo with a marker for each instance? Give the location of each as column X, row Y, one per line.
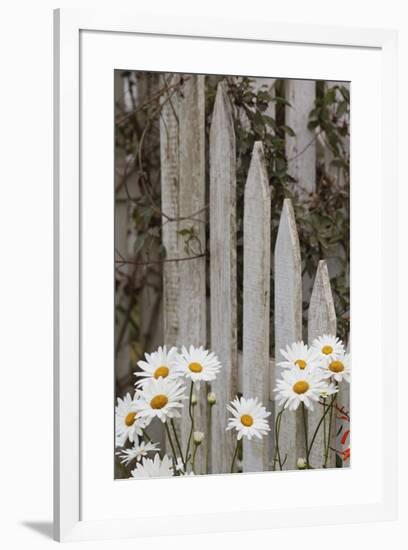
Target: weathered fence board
column 223, row 275
column 321, row 320
column 183, row 196
column 192, row 273
column 288, row 323
column 301, row 148
column 256, row 296
column 169, row 158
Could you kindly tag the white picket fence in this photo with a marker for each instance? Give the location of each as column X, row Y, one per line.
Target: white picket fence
column 189, row 318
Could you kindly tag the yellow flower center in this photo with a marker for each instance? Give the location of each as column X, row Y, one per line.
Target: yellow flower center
column 301, row 386
column 336, row 366
column 327, row 350
column 161, row 371
column 300, row 363
column 130, row 419
column 159, row 401
column 195, row 367
column 247, row 420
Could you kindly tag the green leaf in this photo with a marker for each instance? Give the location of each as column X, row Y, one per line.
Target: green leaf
column 185, row 231
column 345, row 93
column 281, row 100
column 313, row 124
column 330, row 96
column 288, row 130
column 342, row 108
column 270, row 121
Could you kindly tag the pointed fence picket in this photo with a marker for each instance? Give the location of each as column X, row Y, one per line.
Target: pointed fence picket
column 322, row 320
column 257, row 262
column 186, row 310
column 288, row 323
column 223, row 274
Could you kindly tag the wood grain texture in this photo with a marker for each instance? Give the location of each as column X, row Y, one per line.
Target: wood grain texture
column 288, row 323
column 170, row 191
column 182, row 138
column 301, row 148
column 223, row 273
column 321, row 320
column 192, row 273
column 256, row 296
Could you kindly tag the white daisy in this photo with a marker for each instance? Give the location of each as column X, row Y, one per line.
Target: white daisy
column 301, row 386
column 330, row 389
column 338, row 369
column 128, row 423
column 153, row 468
column 328, row 346
column 248, row 418
column 161, row 397
column 179, row 465
column 198, row 364
column 137, row 452
column 158, row 364
column 298, row 355
column 198, row 437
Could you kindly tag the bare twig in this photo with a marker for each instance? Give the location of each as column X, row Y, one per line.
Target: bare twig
column 155, row 97
column 164, row 260
column 306, row 147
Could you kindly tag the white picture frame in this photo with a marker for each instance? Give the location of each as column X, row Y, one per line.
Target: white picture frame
column 69, row 521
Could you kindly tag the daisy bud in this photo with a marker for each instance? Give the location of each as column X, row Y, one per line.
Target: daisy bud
column 301, row 464
column 211, row 399
column 198, row 438
column 194, row 400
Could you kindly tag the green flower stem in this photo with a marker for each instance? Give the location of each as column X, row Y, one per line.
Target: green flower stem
column 306, row 434
column 277, row 450
column 194, row 457
column 327, row 409
column 324, row 426
column 190, row 413
column 234, row 457
column 177, row 441
column 278, row 421
column 207, row 457
column 171, row 445
column 326, row 456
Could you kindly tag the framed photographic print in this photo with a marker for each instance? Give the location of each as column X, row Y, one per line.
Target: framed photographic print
column 225, row 260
